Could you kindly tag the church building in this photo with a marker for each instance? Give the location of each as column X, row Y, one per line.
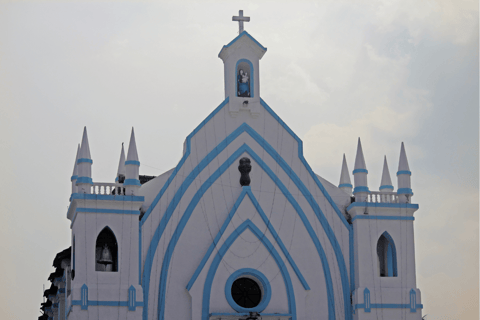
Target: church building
column 241, row 228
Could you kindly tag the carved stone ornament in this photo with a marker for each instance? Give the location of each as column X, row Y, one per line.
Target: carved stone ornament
column 244, row 167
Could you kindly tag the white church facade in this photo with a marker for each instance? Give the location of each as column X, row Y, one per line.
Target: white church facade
column 240, row 228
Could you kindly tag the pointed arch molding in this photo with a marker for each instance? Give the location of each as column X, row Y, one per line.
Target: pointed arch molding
column 293, row 176
column 247, row 224
column 246, row 190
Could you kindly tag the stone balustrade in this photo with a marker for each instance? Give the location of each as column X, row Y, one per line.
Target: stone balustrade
column 107, row 188
column 382, row 197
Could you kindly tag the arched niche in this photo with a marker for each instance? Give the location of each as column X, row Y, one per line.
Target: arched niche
column 387, row 256
column 106, row 249
column 244, row 78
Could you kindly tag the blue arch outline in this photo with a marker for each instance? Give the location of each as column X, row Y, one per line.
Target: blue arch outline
column 267, row 290
column 147, row 268
column 247, row 190
column 189, row 210
column 247, row 224
column 252, row 72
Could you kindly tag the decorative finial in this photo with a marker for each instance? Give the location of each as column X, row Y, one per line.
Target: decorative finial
column 240, row 18
column 244, row 167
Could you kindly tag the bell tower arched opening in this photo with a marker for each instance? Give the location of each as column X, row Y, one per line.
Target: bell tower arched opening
column 387, row 256
column 106, row 251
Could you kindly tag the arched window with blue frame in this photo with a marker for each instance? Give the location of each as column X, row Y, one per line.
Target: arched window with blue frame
column 244, row 78
column 387, row 256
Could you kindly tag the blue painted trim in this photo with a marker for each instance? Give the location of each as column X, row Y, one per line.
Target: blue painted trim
column 131, row 182
column 132, row 298
column 252, row 72
column 345, row 286
column 96, row 210
column 370, row 217
column 85, row 196
column 413, row 301
column 134, row 162
column 238, row 37
column 382, row 205
column 386, row 187
column 84, row 160
column 404, row 172
column 360, row 171
column 158, row 233
column 84, row 180
column 366, row 299
column 105, row 303
column 360, row 189
column 345, row 185
column 84, row 297
column 247, row 190
column 181, row 225
column 73, row 178
column 247, row 224
column 116, row 179
column 387, row 306
column 404, row 191
column 266, row 294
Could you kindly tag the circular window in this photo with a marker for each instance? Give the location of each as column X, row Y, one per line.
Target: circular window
column 248, row 290
column 246, row 293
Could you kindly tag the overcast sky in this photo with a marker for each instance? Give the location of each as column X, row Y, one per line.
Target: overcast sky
column 386, row 71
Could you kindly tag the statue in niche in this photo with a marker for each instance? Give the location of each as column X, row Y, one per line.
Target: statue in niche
column 244, row 167
column 243, row 84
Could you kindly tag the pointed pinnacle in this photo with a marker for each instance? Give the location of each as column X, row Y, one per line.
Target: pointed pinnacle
column 359, row 159
column 121, row 163
column 85, row 148
column 344, row 176
column 132, row 148
column 403, row 162
column 386, row 180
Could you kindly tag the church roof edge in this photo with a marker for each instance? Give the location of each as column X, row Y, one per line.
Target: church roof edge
column 244, row 33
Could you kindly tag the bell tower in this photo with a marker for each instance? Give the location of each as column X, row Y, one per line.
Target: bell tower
column 241, row 69
column 105, row 242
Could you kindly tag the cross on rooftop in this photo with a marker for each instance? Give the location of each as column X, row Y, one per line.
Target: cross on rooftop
column 240, row 18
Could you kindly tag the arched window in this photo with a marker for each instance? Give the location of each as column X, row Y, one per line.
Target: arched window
column 106, row 251
column 387, row 256
column 244, row 80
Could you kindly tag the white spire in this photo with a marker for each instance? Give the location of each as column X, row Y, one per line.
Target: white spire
column 85, row 148
column 132, row 148
column 75, row 167
column 360, row 176
column 359, row 159
column 386, row 183
column 84, row 163
column 75, row 172
column 345, row 182
column 403, row 162
column 403, row 178
column 121, row 163
column 132, row 165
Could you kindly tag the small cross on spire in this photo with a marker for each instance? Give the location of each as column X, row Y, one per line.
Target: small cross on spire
column 240, row 18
